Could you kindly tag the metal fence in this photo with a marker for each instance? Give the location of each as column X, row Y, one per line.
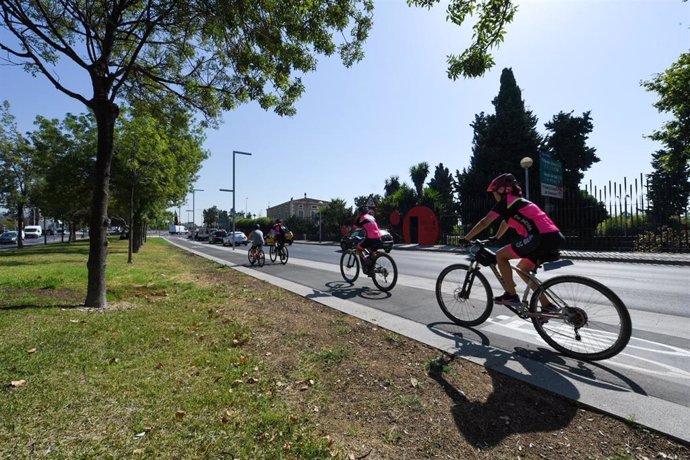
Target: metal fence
column 615, row 217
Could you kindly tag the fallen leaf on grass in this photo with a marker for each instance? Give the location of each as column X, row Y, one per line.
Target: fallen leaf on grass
column 17, row 383
column 32, row 350
column 414, row 382
column 180, row 414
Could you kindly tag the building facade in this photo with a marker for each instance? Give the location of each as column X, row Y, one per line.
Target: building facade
column 305, row 208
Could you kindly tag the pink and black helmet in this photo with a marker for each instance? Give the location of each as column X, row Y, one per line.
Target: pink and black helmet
column 505, row 184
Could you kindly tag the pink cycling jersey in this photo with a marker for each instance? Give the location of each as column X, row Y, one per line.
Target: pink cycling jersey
column 371, row 228
column 524, row 216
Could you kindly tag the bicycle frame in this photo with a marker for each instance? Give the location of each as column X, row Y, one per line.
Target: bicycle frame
column 532, row 286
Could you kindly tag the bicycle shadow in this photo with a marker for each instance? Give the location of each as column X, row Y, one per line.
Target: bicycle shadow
column 512, row 407
column 583, row 371
column 346, row 291
column 588, row 372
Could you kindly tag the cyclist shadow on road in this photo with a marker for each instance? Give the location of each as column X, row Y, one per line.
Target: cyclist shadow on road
column 346, row 291
column 514, row 406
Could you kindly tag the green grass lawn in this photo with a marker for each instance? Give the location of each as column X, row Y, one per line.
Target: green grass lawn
column 163, row 372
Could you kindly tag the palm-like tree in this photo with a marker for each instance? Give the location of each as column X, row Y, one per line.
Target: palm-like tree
column 418, row 174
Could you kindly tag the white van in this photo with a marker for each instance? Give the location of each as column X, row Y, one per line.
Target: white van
column 33, row 231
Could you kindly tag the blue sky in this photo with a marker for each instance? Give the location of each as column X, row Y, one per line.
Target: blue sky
column 356, row 127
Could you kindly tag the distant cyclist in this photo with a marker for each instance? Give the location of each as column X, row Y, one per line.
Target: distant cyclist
column 538, row 235
column 279, row 231
column 257, row 238
column 372, row 235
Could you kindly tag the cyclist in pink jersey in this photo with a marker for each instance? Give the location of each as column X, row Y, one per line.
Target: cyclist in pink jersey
column 538, row 234
column 372, row 239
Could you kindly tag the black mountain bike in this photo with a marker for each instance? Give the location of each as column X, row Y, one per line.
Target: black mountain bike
column 276, row 252
column 591, row 322
column 379, row 266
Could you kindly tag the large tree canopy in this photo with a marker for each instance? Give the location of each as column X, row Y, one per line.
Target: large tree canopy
column 210, row 55
column 673, row 88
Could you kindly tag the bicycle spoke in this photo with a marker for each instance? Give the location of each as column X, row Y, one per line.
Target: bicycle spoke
column 469, row 306
column 594, row 323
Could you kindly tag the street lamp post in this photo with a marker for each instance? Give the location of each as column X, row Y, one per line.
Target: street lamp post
column 525, row 163
column 188, row 211
column 234, row 153
column 193, row 206
column 233, row 220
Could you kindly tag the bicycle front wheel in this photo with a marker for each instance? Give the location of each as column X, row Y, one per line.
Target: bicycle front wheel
column 464, row 296
column 593, row 324
column 261, row 258
column 272, row 253
column 251, row 256
column 384, row 272
column 349, row 266
column 283, row 253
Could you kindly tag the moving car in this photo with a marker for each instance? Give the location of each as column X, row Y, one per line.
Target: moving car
column 347, row 242
column 235, row 238
column 9, row 237
column 217, row 237
column 33, row 231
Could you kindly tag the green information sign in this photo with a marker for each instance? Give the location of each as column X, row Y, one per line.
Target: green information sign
column 551, row 176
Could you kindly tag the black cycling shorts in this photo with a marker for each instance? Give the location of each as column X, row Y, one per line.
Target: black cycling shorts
column 371, row 244
column 532, row 247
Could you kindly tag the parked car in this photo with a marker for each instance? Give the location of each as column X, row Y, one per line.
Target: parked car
column 235, row 238
column 9, row 237
column 33, row 231
column 347, row 242
column 204, row 234
column 217, row 236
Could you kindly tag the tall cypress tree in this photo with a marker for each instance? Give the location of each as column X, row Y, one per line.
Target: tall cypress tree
column 500, row 141
column 567, row 142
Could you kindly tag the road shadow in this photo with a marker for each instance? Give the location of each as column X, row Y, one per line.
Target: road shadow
column 347, row 291
column 591, row 373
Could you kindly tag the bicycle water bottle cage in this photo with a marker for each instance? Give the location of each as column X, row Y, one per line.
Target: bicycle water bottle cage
column 484, row 256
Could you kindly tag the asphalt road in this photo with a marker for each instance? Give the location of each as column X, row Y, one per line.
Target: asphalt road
column 656, row 362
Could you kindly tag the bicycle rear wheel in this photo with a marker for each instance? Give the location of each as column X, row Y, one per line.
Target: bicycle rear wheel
column 283, row 253
column 349, row 266
column 272, row 253
column 384, row 272
column 594, row 323
column 464, row 297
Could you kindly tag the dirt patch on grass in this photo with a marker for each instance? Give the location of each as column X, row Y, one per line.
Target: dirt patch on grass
column 377, row 395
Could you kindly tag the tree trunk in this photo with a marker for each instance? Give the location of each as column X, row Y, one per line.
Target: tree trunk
column 130, row 245
column 20, row 225
column 106, row 113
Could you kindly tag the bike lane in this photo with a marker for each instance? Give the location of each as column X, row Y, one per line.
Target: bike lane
column 648, row 382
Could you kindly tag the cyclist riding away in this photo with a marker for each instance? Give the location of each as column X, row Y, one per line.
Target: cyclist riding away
column 372, row 236
column 279, row 231
column 538, row 235
column 257, row 238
